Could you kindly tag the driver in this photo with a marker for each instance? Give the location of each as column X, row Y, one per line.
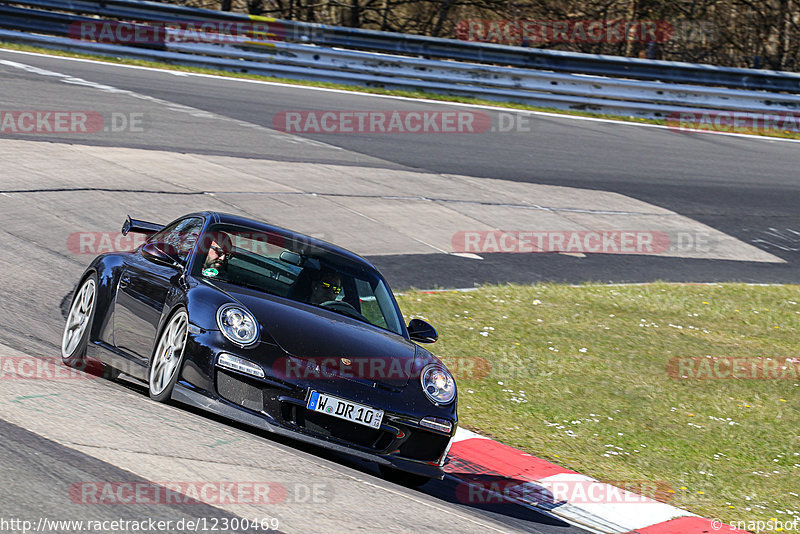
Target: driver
column 325, row 287
column 219, row 252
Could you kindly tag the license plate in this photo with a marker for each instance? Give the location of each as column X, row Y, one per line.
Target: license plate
column 344, row 409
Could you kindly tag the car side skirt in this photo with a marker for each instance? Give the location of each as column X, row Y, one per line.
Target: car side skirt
column 111, row 356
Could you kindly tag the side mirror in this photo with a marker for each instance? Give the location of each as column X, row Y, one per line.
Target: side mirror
column 421, row 331
column 161, row 253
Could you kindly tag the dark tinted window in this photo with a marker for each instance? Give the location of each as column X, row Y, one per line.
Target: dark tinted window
column 298, row 271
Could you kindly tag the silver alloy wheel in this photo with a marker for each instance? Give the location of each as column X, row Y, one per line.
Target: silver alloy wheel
column 169, row 353
column 79, row 317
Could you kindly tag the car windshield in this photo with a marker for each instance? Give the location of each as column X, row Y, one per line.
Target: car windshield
column 296, row 270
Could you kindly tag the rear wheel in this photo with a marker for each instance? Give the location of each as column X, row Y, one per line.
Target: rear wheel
column 168, row 357
column 79, row 324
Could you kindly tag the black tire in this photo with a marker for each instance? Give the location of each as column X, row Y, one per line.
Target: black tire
column 79, row 324
column 166, row 363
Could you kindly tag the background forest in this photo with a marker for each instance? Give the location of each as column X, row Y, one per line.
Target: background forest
column 739, row 33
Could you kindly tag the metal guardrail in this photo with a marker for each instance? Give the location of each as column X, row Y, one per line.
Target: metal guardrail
column 311, row 62
column 432, row 47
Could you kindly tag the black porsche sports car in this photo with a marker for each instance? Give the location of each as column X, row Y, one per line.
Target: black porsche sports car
column 271, row 328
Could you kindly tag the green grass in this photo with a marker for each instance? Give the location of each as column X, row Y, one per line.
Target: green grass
column 786, row 134
column 578, row 376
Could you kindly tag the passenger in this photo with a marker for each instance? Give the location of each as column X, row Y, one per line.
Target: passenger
column 325, row 287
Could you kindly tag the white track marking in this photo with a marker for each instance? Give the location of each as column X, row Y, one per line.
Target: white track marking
column 463, row 434
column 172, row 106
column 632, row 512
column 406, row 98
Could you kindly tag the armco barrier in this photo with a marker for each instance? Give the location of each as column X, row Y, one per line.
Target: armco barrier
column 293, row 57
column 397, row 43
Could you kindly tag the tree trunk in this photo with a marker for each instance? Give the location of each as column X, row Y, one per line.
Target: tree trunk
column 355, row 14
column 442, row 15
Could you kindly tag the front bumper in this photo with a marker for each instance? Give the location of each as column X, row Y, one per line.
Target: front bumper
column 400, row 443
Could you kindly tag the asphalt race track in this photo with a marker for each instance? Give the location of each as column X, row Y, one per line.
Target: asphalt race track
column 209, row 143
column 746, row 188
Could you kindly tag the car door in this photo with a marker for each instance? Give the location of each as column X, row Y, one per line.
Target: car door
column 145, row 287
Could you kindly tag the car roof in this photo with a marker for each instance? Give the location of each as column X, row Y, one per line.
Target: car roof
column 227, row 218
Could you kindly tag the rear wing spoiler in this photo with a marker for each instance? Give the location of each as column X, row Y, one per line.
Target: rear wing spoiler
column 140, row 227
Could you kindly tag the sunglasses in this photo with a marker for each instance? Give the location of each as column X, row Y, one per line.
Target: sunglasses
column 332, row 288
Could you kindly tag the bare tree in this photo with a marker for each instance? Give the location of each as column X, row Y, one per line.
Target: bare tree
column 742, row 33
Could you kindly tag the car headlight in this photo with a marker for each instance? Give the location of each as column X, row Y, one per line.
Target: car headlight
column 237, row 324
column 438, row 384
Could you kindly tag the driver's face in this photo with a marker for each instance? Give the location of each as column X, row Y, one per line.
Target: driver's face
column 326, row 289
column 216, row 255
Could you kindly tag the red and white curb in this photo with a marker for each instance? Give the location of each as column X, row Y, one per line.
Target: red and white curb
column 489, row 472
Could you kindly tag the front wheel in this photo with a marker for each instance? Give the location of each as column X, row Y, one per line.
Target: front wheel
column 79, row 324
column 168, row 357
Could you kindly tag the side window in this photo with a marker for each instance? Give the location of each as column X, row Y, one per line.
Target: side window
column 180, row 236
column 370, row 307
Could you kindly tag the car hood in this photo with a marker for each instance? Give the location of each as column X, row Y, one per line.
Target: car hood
column 342, row 345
